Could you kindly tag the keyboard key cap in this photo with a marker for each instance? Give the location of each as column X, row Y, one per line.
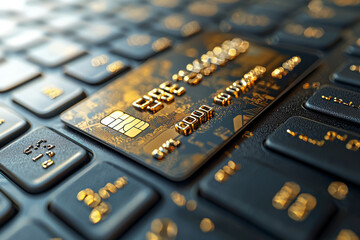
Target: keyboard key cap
column 140, row 46
column 352, row 5
column 137, row 14
column 98, row 33
column 347, row 229
column 6, row 208
column 24, row 40
column 276, row 8
column 11, row 125
column 48, row 96
column 336, row 102
column 103, row 202
column 64, row 23
column 55, row 53
column 324, row 15
column 31, row 228
column 178, row 25
column 323, row 146
column 354, row 49
column 16, row 72
column 203, row 11
column 311, row 36
column 43, row 158
column 166, row 4
column 244, row 20
column 348, row 73
column 269, row 199
column 96, row 68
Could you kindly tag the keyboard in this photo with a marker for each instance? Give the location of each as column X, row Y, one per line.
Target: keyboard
column 180, row 119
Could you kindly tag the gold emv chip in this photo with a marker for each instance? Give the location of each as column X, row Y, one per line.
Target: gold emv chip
column 124, row 123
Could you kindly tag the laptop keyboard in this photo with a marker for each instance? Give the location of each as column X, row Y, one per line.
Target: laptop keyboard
column 179, row 119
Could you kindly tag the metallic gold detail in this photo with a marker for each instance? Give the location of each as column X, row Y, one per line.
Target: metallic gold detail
column 115, row 66
column 353, row 145
column 200, row 115
column 191, row 205
column 305, row 138
column 162, row 229
column 52, row 92
column 95, row 200
column 247, row 134
column 355, row 68
column 347, row 234
column 161, row 44
column 174, row 88
column 338, row 190
column 37, row 157
column 244, row 18
column 143, row 102
column 314, row 85
column 308, row 32
column 332, row 135
column 193, row 122
column 223, row 99
column 287, row 194
column 46, row 164
column 99, row 60
column 302, row 207
column 165, row 148
column 203, row 9
column 210, row 112
column 183, row 128
column 178, row 199
column 136, row 40
column 155, row 106
column 206, row 225
column 124, row 123
column 161, row 95
column 226, row 171
column 2, row 121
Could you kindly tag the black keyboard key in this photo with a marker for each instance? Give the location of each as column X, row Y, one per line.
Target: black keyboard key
column 167, row 4
column 103, row 202
column 349, row 5
column 354, row 49
column 326, row 147
column 29, row 229
column 98, row 33
column 324, row 15
column 55, row 52
column 203, row 10
column 348, row 73
column 96, row 68
column 276, row 8
column 64, row 23
column 244, row 20
column 311, row 36
column 137, row 14
column 346, row 229
column 178, row 25
column 24, row 40
column 11, row 125
column 17, row 72
column 6, row 208
column 48, row 96
column 43, row 158
column 140, row 46
column 336, row 102
column 269, row 199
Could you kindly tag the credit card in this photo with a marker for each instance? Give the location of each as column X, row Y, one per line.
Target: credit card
column 173, row 113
